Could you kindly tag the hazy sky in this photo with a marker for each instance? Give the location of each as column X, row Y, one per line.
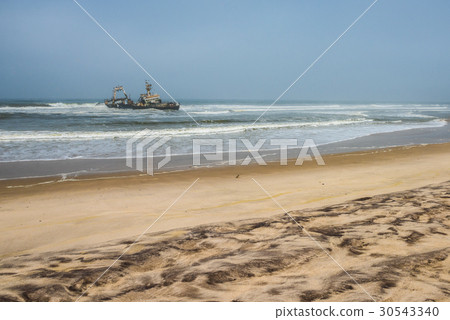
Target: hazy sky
column 399, row 51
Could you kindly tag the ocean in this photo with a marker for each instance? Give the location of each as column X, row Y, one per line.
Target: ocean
column 39, row 130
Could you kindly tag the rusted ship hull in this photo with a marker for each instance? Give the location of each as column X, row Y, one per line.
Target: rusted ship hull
column 159, row 106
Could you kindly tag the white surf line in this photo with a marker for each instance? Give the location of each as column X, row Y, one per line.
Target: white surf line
column 315, row 241
column 317, row 59
column 71, row 179
column 138, row 238
column 132, row 58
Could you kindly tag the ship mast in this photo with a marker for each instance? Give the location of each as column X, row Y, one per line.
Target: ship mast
column 148, row 87
column 117, row 89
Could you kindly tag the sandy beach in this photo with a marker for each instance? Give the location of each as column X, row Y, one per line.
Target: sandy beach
column 381, row 214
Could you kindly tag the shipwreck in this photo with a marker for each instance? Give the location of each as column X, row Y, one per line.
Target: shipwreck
column 146, row 100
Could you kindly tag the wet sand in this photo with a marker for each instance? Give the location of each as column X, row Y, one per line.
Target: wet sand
column 382, row 214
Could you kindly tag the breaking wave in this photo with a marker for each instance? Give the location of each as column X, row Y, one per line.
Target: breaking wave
column 186, row 132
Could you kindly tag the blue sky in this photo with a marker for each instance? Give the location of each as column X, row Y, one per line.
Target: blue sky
column 399, row 51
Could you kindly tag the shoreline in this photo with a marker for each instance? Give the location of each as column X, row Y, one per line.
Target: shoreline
column 78, row 168
column 62, row 213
